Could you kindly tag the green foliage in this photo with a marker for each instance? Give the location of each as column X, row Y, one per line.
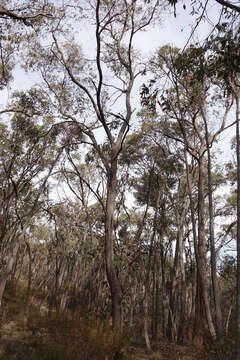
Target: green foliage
column 67, row 255
column 224, row 60
column 228, row 267
column 217, row 60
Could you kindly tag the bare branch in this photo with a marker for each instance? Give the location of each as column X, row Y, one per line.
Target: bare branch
column 26, row 19
column 229, row 5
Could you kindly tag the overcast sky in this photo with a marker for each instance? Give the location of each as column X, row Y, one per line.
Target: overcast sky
column 172, row 30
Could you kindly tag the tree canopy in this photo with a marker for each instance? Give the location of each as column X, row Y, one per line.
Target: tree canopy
column 119, row 216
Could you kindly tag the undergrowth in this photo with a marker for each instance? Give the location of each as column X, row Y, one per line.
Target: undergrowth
column 37, row 334
column 60, row 337
column 41, row 335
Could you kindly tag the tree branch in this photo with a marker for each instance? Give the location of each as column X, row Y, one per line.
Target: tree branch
column 229, row 5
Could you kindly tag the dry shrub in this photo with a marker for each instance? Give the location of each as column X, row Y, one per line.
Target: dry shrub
column 221, row 350
column 13, row 302
column 61, row 337
column 102, row 340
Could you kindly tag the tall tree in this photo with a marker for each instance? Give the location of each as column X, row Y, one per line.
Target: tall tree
column 26, row 166
column 19, row 22
column 106, row 85
column 224, row 65
column 186, row 101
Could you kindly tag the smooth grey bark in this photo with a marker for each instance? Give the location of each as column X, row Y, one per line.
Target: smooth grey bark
column 164, row 296
column 146, row 286
column 215, row 285
column 202, row 299
column 228, row 319
column 200, row 243
column 156, row 297
column 178, row 271
column 113, row 280
column 237, row 99
column 194, row 228
column 11, row 260
column 202, row 248
column 145, row 320
column 4, row 276
column 183, row 315
column 27, row 301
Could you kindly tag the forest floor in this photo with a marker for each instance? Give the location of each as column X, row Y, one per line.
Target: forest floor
column 166, row 350
column 38, row 337
column 17, row 343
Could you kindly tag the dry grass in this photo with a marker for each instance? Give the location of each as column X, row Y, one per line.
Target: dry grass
column 37, row 336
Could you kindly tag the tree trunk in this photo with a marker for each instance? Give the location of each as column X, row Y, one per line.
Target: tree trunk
column 178, row 288
column 194, row 230
column 155, row 300
column 237, row 96
column 27, row 301
column 171, row 327
column 228, row 319
column 146, row 286
column 202, row 273
column 113, row 280
column 145, row 320
column 4, row 276
column 182, row 295
column 215, row 285
column 164, row 297
column 12, row 258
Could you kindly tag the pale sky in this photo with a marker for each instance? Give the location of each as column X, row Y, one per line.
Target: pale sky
column 172, row 30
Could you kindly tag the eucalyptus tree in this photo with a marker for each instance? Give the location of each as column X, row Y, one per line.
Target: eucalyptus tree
column 224, row 65
column 188, row 101
column 27, row 12
column 67, row 258
column 155, row 167
column 75, row 251
column 202, row 11
column 29, row 154
column 104, row 83
column 19, row 23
